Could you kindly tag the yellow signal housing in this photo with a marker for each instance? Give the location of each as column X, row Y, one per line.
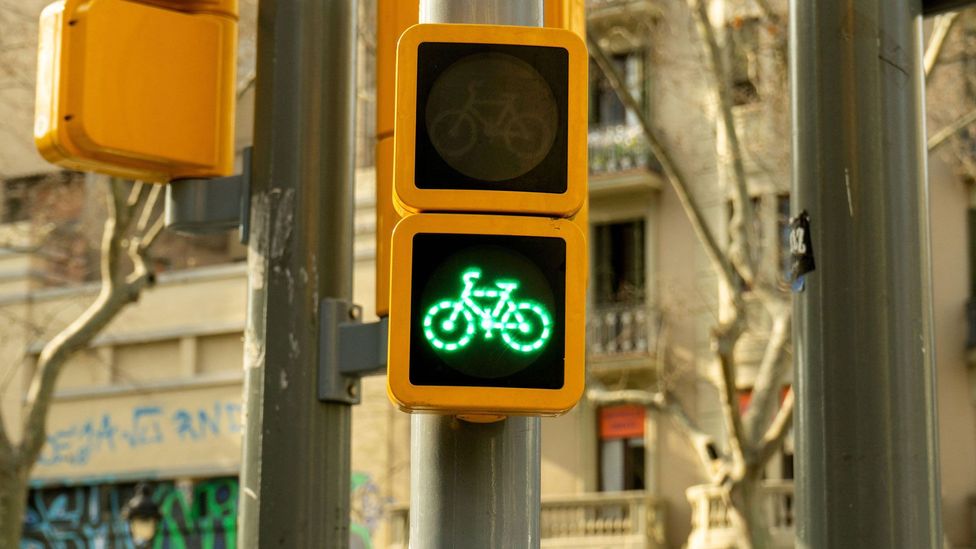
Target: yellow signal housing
column 138, row 90
column 487, row 315
column 571, row 15
column 485, row 113
column 393, row 17
column 566, row 14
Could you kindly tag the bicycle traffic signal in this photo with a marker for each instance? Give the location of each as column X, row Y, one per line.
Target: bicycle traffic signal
column 488, row 319
column 487, row 310
column 143, row 90
column 490, row 119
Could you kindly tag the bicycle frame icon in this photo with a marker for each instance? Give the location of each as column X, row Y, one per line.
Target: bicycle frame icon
column 525, row 134
column 524, row 326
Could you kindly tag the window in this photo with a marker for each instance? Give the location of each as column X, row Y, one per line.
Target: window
column 621, row 448
column 606, row 109
column 619, row 263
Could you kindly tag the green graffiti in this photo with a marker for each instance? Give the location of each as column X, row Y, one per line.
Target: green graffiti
column 208, row 520
column 524, row 326
column 360, row 537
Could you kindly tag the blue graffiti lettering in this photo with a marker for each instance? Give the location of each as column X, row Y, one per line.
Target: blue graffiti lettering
column 145, row 427
column 142, row 426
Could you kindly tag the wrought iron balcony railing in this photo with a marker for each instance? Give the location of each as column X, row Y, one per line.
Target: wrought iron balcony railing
column 620, row 148
column 620, row 330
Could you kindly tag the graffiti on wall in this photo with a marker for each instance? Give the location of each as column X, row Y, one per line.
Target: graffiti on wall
column 139, row 427
column 200, row 515
column 367, row 507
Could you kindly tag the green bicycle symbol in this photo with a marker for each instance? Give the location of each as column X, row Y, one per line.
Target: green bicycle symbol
column 525, row 326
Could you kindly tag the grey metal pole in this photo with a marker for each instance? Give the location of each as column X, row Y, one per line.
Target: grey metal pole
column 295, row 477
column 866, row 430
column 475, row 485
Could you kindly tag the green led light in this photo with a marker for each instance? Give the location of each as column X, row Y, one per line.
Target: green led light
column 525, row 326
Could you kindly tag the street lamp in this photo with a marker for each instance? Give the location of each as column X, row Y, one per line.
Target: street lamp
column 142, row 515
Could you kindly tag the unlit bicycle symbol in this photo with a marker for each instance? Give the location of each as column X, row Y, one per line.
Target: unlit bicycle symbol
column 456, row 132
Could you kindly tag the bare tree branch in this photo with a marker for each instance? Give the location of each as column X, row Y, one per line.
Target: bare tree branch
column 665, row 402
column 724, row 340
column 780, row 427
column 943, row 135
column 117, row 291
column 250, row 80
column 135, row 194
column 742, row 233
column 719, row 261
column 943, row 25
column 769, row 379
column 149, row 207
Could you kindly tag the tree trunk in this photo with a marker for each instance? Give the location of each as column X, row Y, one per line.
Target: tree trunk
column 13, row 503
column 749, row 514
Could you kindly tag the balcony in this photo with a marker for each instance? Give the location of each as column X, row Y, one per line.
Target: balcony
column 625, row 520
column 630, row 16
column 622, row 332
column 620, row 148
column 711, row 527
column 621, row 153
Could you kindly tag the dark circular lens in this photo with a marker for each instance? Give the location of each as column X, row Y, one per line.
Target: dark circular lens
column 491, row 116
column 488, row 312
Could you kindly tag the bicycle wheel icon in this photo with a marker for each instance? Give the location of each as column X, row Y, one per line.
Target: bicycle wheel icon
column 448, row 326
column 453, row 133
column 528, row 137
column 526, row 327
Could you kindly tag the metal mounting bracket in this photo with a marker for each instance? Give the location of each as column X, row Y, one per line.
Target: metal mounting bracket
column 205, row 206
column 348, row 350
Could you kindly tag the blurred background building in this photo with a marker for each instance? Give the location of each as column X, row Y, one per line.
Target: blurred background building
column 157, row 397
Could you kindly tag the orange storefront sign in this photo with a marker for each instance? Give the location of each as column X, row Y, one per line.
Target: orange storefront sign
column 625, row 421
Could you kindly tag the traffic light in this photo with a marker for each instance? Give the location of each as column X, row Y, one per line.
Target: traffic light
column 488, row 276
column 142, row 90
column 486, row 314
column 490, row 119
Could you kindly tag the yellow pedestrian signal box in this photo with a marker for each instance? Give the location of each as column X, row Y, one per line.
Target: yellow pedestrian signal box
column 485, row 315
column 393, row 17
column 490, row 119
column 488, row 274
column 142, row 90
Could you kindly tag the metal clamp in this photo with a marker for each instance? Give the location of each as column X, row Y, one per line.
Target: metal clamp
column 205, row 206
column 348, row 350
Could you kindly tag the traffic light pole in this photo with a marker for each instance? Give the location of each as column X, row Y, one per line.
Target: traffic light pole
column 295, row 477
column 867, row 454
column 475, row 485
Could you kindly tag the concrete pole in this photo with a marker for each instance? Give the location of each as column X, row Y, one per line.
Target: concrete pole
column 475, row 485
column 866, row 429
column 295, row 477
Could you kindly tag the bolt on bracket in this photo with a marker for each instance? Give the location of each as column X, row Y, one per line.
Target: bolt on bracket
column 348, row 350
